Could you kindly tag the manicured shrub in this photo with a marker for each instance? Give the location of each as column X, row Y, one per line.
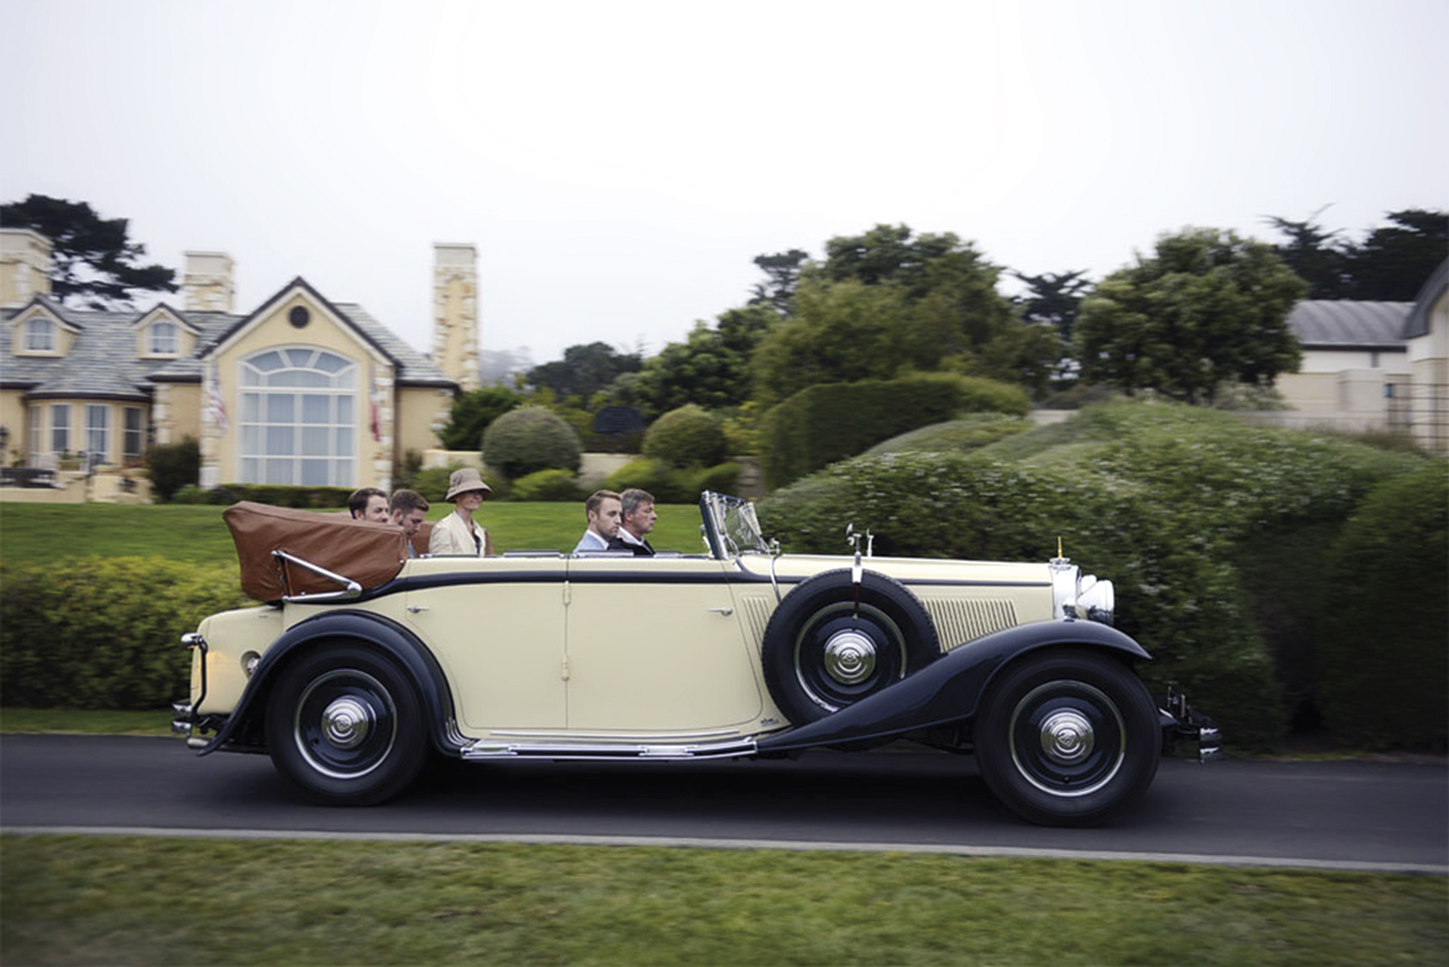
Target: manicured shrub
column 280, row 495
column 962, row 435
column 547, row 485
column 833, row 421
column 1193, row 514
column 687, row 437
column 668, row 485
column 722, row 478
column 173, row 466
column 1383, row 639
column 104, row 633
column 529, row 439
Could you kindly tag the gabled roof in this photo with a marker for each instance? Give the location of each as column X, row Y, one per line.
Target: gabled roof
column 1346, row 324
column 1418, row 322
column 161, row 309
column 102, row 362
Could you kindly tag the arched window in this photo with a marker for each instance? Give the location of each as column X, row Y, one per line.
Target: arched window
column 298, row 418
column 163, row 339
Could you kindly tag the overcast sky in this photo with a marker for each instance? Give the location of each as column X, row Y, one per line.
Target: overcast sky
column 619, row 165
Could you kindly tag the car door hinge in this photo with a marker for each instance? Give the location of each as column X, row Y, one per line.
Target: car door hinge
column 568, row 593
column 566, row 668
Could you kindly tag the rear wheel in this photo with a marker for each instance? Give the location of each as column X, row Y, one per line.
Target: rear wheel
column 345, row 724
column 1068, row 738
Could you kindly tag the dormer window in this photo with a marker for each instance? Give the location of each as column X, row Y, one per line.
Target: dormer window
column 39, row 335
column 163, row 339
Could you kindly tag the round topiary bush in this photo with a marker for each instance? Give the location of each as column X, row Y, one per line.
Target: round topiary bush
column 687, row 437
column 529, row 439
column 666, row 484
column 547, row 485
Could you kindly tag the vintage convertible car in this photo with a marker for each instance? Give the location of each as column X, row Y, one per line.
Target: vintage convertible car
column 365, row 661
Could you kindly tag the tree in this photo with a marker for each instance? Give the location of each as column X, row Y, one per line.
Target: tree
column 472, row 413
column 1395, row 260
column 1318, row 257
column 1053, row 299
column 884, row 302
column 1209, row 308
column 93, row 262
column 710, row 368
column 783, row 269
column 584, row 370
column 1390, row 265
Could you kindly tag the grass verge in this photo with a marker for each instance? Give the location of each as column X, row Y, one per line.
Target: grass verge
column 138, row 900
column 87, row 721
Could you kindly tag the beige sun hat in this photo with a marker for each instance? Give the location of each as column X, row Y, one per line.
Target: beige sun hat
column 465, row 480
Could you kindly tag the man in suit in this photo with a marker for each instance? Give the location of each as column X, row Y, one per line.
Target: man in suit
column 601, row 511
column 637, row 521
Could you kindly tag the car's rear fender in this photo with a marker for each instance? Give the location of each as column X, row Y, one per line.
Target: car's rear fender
column 949, row 689
column 243, row 728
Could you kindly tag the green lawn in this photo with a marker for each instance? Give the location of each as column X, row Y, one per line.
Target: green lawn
column 136, row 900
column 35, row 533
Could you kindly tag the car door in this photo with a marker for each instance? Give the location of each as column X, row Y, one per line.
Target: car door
column 655, row 646
column 496, row 626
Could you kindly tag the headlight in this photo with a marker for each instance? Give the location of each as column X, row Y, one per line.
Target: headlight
column 1078, row 595
column 1096, row 599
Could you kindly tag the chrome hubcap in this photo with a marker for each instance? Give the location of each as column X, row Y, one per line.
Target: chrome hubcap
column 1066, row 736
column 346, row 722
column 849, row 657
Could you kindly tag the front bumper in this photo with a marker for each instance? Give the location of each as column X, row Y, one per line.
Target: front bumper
column 1183, row 723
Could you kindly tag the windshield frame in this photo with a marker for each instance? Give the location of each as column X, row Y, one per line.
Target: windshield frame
column 731, row 527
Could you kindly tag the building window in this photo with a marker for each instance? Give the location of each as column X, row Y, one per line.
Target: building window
column 163, row 339
column 37, row 435
column 39, row 335
column 98, row 432
column 298, row 418
column 133, row 437
column 59, row 428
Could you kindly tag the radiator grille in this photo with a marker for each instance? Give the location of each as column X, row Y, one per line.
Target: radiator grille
column 959, row 621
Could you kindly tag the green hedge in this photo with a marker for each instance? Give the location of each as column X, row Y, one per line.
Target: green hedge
column 829, row 422
column 556, row 486
column 104, row 633
column 1383, row 637
column 1194, row 515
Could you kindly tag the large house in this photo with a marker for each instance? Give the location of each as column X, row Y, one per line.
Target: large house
column 298, row 390
column 1374, row 365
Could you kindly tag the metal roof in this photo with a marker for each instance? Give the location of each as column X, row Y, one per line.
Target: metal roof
column 1346, row 324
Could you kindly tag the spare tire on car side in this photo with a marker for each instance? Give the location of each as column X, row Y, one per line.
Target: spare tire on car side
column 831, row 643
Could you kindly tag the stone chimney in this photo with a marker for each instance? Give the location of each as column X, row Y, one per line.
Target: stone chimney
column 24, row 266
column 455, row 313
column 207, row 285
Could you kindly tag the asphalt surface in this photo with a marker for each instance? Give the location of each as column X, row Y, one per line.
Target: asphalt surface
column 1356, row 815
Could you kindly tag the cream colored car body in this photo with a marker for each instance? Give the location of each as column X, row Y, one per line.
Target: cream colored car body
column 664, row 648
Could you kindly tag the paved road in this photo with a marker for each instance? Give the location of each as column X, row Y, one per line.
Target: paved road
column 1346, row 815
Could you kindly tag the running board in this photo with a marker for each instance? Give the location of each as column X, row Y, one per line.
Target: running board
column 604, row 751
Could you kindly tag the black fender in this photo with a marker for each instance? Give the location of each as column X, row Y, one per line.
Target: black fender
column 243, row 725
column 949, row 689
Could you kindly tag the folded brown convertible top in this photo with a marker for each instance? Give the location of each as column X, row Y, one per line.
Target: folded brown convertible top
column 368, row 553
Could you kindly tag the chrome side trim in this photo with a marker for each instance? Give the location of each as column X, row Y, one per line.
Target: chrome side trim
column 487, row 749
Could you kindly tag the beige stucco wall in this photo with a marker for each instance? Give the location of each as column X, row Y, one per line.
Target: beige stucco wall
column 418, row 409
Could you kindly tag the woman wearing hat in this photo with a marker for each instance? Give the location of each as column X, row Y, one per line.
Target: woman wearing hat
column 458, row 533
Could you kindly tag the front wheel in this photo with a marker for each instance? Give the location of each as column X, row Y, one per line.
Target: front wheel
column 1068, row 738
column 345, row 724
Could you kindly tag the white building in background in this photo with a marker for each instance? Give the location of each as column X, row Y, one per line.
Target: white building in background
column 1373, row 365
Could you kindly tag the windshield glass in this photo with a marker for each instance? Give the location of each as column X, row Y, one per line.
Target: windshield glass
column 730, row 526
